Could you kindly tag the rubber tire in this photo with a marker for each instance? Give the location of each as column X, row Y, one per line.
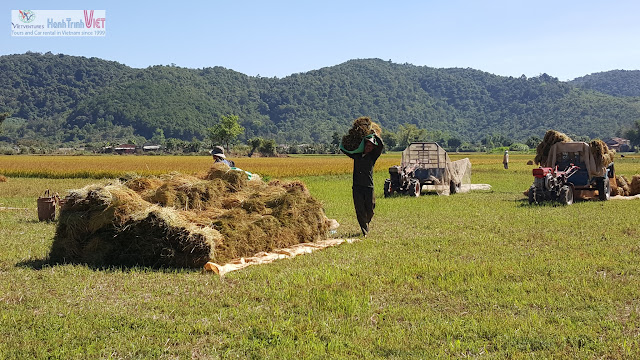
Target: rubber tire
column 532, row 195
column 388, row 191
column 414, row 188
column 566, row 195
column 604, row 189
column 540, row 197
column 453, row 188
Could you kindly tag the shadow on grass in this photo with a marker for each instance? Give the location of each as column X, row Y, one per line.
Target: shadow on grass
column 396, row 195
column 356, row 234
column 36, row 264
column 41, row 264
column 548, row 203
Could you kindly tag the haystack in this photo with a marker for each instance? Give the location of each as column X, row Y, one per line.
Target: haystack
column 361, row 127
column 3, row 178
column 178, row 220
column 550, row 138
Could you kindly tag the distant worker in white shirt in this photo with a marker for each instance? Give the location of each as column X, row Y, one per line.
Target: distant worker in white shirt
column 505, row 159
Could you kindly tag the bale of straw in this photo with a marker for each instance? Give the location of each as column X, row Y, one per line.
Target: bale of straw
column 3, row 178
column 361, row 127
column 620, row 186
column 601, row 153
column 550, row 137
column 614, row 187
column 634, row 185
column 530, row 162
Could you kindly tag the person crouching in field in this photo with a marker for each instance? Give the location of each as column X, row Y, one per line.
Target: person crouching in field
column 218, row 156
column 363, row 197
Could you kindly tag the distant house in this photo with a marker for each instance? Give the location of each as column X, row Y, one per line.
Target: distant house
column 151, row 147
column 125, row 149
column 65, row 151
column 618, row 144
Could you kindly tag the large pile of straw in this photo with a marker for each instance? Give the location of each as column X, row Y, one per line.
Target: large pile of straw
column 361, row 127
column 3, row 178
column 179, row 220
column 550, row 138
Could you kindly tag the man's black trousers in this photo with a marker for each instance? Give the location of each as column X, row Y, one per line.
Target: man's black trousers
column 365, row 202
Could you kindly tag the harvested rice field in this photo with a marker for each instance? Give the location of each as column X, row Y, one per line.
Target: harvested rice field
column 480, row 275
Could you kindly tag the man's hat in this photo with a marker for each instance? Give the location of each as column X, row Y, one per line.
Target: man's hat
column 218, row 151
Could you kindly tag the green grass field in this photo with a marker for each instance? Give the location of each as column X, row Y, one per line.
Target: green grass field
column 477, row 275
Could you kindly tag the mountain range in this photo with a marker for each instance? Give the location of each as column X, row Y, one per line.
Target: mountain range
column 57, row 98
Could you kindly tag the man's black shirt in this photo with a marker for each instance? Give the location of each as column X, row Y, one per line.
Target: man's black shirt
column 363, row 165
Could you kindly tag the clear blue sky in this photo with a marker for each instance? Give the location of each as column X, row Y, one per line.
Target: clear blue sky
column 565, row 39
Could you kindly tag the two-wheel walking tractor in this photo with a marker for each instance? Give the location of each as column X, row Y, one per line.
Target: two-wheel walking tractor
column 582, row 172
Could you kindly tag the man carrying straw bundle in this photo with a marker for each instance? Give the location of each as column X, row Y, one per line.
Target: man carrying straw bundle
column 364, row 158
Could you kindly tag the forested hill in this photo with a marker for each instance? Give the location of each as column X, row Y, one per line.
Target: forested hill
column 63, row 98
column 614, row 82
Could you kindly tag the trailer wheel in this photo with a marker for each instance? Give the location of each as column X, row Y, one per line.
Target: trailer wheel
column 388, row 190
column 604, row 189
column 454, row 188
column 414, row 188
column 566, row 195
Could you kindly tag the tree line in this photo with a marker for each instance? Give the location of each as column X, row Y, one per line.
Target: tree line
column 61, row 100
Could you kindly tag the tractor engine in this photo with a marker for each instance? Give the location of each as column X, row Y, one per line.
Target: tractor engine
column 551, row 184
column 398, row 177
column 544, row 180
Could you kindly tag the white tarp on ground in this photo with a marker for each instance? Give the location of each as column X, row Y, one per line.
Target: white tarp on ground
column 620, row 197
column 463, row 189
column 268, row 257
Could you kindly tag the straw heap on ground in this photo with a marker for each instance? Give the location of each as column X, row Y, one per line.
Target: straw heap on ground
column 177, row 220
